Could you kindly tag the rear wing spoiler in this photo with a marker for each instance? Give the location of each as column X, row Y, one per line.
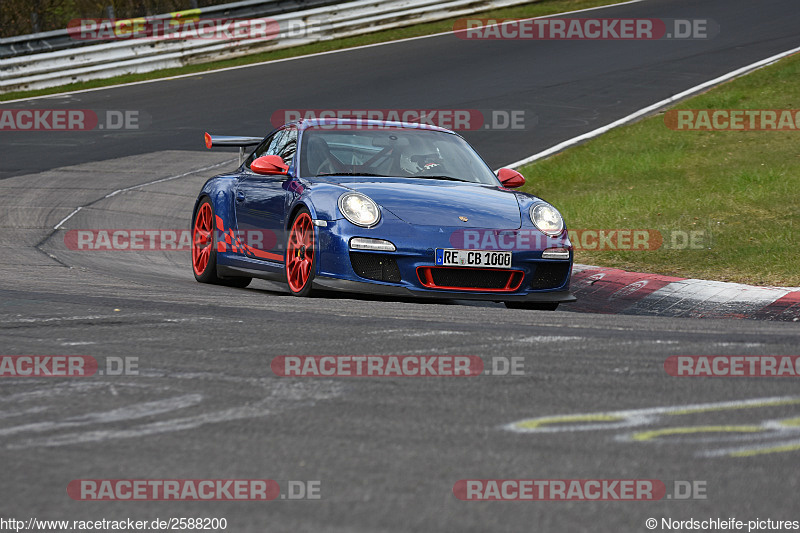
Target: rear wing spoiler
column 232, row 140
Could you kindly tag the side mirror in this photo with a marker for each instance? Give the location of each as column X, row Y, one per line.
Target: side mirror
column 510, row 178
column 269, row 165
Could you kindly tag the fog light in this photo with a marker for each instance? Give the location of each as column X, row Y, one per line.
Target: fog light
column 555, row 253
column 375, row 245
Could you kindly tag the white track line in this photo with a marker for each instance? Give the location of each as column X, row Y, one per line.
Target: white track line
column 67, row 217
column 160, row 180
column 649, row 109
column 203, row 73
column 169, row 178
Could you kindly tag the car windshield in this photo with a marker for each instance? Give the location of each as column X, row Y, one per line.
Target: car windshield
column 391, row 152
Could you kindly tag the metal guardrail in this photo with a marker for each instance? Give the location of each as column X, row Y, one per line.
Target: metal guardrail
column 98, row 61
column 54, row 40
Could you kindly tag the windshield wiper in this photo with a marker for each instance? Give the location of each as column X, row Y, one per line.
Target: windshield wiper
column 367, row 174
column 450, row 178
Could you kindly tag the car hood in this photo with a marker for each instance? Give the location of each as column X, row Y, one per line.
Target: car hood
column 442, row 203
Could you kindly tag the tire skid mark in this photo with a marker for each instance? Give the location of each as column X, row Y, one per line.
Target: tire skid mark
column 275, row 396
column 132, row 412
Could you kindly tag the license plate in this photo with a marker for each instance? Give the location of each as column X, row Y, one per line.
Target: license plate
column 473, row 258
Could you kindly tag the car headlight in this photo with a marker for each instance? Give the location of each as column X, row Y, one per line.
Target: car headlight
column 547, row 219
column 359, row 209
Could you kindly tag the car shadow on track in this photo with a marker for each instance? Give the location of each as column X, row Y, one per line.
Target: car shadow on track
column 275, row 289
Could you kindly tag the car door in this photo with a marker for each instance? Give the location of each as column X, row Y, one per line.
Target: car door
column 261, row 201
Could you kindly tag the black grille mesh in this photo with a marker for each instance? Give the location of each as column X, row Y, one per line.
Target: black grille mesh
column 549, row 275
column 470, row 279
column 377, row 267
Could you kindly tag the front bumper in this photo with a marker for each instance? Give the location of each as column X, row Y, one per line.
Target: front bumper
column 366, row 287
column 415, row 252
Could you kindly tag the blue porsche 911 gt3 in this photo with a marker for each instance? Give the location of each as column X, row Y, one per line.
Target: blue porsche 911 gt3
column 378, row 207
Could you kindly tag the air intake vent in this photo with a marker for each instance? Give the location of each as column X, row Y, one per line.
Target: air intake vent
column 549, row 275
column 470, row 279
column 378, row 267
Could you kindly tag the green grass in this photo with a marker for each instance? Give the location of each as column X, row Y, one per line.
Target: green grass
column 742, row 189
column 543, row 7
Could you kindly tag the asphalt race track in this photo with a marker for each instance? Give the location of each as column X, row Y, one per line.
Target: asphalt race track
column 203, row 402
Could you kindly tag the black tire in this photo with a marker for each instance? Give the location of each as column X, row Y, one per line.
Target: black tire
column 205, row 269
column 535, row 306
